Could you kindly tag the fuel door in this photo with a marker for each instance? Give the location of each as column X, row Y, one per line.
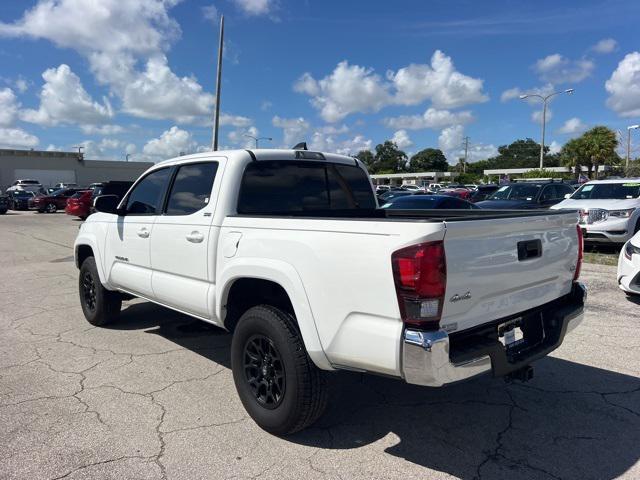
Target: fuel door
column 230, row 244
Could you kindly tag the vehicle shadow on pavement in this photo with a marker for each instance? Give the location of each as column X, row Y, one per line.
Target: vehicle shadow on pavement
column 570, row 421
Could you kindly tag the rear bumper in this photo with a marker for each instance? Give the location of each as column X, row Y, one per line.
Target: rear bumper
column 435, row 358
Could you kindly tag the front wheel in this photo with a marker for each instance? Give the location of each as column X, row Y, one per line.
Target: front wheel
column 278, row 384
column 51, row 208
column 99, row 305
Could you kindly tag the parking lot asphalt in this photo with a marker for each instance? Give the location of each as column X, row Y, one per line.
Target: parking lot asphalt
column 152, row 396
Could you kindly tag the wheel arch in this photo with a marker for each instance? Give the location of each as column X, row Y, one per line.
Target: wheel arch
column 268, row 282
column 85, row 247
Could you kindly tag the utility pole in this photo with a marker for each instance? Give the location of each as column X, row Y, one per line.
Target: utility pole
column 216, row 120
column 466, row 154
column 629, row 128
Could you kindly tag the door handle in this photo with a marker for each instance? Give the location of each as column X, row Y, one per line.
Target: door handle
column 143, row 233
column 195, row 237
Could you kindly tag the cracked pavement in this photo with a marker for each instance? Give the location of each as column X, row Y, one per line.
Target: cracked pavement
column 153, row 397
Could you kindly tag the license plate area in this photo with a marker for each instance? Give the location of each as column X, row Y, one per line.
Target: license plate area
column 510, row 333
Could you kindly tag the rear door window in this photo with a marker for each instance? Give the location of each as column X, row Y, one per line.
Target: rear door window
column 191, row 190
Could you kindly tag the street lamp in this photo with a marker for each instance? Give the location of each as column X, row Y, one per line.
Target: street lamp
column 629, row 128
column 257, row 139
column 544, row 114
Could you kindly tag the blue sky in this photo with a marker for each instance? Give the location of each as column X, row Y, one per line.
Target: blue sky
column 137, row 76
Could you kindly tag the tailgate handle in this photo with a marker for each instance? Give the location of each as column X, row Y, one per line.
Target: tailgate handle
column 529, row 249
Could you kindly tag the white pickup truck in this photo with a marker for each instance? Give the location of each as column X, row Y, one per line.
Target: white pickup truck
column 288, row 250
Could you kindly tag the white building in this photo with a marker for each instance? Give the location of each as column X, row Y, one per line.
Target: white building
column 422, row 178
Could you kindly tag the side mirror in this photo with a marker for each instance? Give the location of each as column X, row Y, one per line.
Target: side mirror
column 107, row 204
column 567, row 195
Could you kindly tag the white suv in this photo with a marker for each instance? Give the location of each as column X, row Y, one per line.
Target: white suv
column 609, row 209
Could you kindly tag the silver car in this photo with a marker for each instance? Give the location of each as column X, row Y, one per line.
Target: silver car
column 609, row 209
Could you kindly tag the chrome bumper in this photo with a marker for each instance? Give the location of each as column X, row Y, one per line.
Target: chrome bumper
column 426, row 360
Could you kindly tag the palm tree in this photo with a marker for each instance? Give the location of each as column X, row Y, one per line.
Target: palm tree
column 600, row 146
column 574, row 156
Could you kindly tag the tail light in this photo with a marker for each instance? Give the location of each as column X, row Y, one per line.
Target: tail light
column 420, row 275
column 576, row 273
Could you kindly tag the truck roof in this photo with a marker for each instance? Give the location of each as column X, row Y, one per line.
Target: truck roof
column 266, row 154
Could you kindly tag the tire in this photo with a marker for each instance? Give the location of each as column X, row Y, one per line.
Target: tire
column 303, row 387
column 3, row 211
column 99, row 305
column 51, row 208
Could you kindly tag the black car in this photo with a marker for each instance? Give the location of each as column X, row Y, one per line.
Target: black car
column 428, row 202
column 526, row 195
column 482, row 192
column 19, row 199
column 4, row 204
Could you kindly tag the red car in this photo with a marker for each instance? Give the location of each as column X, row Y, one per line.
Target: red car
column 79, row 204
column 52, row 202
column 463, row 193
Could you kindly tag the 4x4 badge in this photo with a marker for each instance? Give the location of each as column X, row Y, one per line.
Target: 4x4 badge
column 457, row 298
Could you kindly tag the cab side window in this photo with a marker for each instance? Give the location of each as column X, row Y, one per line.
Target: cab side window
column 191, row 188
column 146, row 197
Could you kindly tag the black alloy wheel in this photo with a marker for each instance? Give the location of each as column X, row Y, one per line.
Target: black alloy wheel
column 264, row 371
column 89, row 291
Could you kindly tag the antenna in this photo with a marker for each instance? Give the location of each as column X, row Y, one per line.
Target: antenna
column 216, row 120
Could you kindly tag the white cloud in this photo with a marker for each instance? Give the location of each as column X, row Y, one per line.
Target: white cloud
column 348, row 89
column 294, row 129
column 401, row 139
column 431, row 118
column 237, row 121
column 573, row 125
column 21, row 85
column 125, row 43
column 515, row 92
column 8, row 107
column 557, row 69
column 438, row 82
column 63, row 99
column 554, row 147
column 238, row 137
column 170, row 144
column 536, row 116
column 451, row 138
column 606, row 45
column 266, row 105
column 624, row 87
column 101, row 129
column 329, row 143
column 255, row 7
column 510, row 94
column 17, row 138
column 210, row 12
column 353, row 88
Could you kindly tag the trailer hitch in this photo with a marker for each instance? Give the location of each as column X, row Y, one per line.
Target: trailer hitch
column 523, row 374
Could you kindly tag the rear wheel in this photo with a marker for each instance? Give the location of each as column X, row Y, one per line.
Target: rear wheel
column 278, row 384
column 51, row 208
column 99, row 305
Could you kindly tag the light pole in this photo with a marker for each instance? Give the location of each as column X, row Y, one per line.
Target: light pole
column 257, row 139
column 126, row 157
column 544, row 115
column 629, row 128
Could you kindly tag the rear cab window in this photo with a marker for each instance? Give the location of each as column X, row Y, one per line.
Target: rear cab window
column 279, row 187
column 191, row 189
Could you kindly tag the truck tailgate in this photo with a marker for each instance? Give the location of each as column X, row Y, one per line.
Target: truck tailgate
column 502, row 266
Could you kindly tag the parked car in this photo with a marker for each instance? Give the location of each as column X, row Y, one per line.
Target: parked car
column 527, row 195
column 428, row 202
column 19, row 199
column 434, row 187
column 286, row 249
column 4, row 204
column 629, row 266
column 53, row 202
column 391, row 194
column 412, row 188
column 380, row 189
column 609, row 209
column 463, row 193
column 79, row 204
column 26, row 184
column 58, row 186
column 482, row 192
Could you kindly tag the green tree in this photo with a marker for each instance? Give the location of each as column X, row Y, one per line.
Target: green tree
column 366, row 157
column 575, row 156
column 600, row 144
column 428, row 160
column 389, row 159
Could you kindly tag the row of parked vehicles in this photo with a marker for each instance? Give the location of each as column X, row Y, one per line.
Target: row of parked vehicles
column 73, row 199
